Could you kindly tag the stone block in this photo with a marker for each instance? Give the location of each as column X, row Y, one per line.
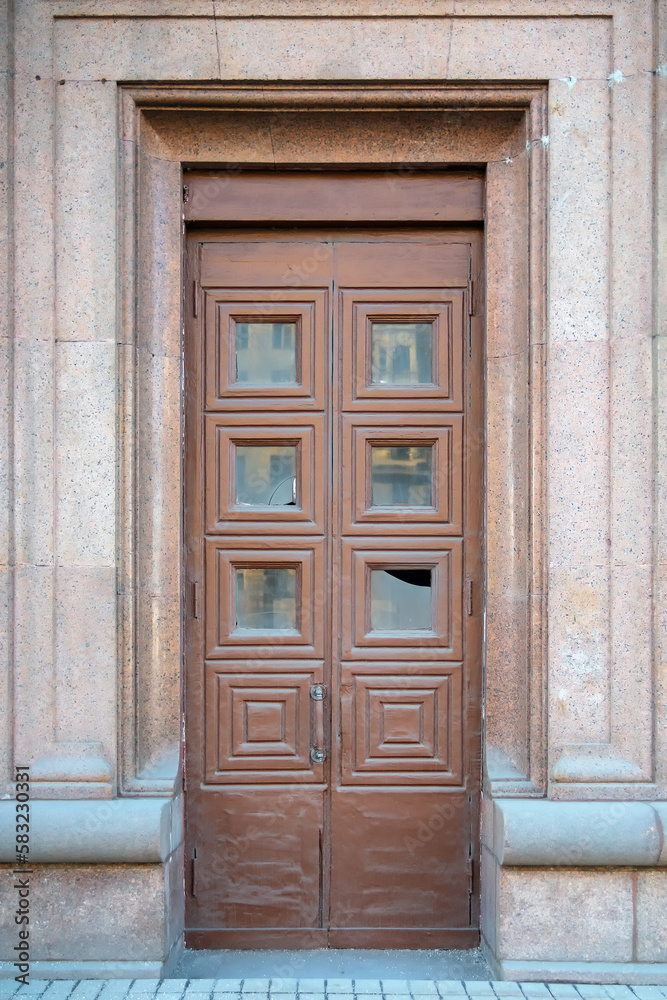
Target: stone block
column 152, row 48
column 651, row 919
column 33, row 452
column 86, row 211
column 565, row 915
column 579, row 132
column 85, row 438
column 89, row 913
column 130, row 830
column 542, row 832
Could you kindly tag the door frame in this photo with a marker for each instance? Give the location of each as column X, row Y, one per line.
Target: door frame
column 500, row 127
column 432, row 195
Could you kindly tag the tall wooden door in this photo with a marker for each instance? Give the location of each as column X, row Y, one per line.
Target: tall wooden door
column 333, row 521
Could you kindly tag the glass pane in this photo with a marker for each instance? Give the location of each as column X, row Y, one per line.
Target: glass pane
column 266, row 598
column 402, row 353
column 401, row 475
column 266, row 353
column 401, row 599
column 266, row 475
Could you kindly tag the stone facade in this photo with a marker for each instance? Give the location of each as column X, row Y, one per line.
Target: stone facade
column 103, row 103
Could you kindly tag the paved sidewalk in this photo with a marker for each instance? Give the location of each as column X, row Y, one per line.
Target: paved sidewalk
column 317, row 989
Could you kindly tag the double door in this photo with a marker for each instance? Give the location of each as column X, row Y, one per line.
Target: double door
column 333, row 590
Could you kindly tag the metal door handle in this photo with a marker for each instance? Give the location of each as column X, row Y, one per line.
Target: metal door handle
column 318, row 693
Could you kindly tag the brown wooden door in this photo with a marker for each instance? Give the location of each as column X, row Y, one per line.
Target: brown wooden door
column 333, row 544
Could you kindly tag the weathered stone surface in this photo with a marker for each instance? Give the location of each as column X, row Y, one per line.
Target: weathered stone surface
column 121, row 830
column 540, row 832
column 565, row 915
column 67, row 904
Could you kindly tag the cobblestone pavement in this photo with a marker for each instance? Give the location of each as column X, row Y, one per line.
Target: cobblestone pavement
column 318, row 989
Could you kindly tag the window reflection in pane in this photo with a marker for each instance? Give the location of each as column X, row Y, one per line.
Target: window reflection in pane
column 266, row 475
column 266, row 353
column 401, row 599
column 402, row 353
column 266, row 598
column 401, row 475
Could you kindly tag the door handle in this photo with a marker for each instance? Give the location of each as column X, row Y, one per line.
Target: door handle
column 318, row 753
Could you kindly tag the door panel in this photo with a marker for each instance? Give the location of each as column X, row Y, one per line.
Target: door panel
column 403, row 350
column 401, row 724
column 265, row 598
column 260, row 726
column 264, row 474
column 333, row 544
column 262, row 862
column 405, row 602
column 399, row 859
column 265, row 349
column 404, row 469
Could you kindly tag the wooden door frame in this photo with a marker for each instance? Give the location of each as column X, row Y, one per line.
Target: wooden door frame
column 500, row 127
column 432, row 195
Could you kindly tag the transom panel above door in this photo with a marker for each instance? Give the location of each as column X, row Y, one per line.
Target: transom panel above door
column 333, row 546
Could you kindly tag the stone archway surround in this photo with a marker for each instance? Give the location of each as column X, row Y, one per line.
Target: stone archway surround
column 500, row 128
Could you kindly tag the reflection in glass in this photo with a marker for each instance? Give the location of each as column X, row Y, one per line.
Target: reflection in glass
column 266, row 353
column 401, row 475
column 266, row 475
column 401, row 599
column 401, row 353
column 266, row 598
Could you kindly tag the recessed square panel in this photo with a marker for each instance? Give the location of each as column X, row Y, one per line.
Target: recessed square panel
column 401, row 723
column 402, row 599
column 266, row 352
column 406, row 470
column 265, row 349
column 403, row 349
column 260, row 726
column 265, row 600
column 401, row 352
column 264, row 723
column 263, row 475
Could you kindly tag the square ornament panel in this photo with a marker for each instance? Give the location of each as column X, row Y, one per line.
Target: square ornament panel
column 403, row 350
column 403, row 598
column 265, row 475
column 265, row 599
column 260, row 726
column 265, row 349
column 405, row 470
column 401, row 724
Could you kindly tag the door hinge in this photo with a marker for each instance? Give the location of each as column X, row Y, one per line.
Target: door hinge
column 196, row 607
column 470, row 870
column 470, row 294
column 193, row 883
column 469, row 606
column 186, row 194
column 195, row 300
